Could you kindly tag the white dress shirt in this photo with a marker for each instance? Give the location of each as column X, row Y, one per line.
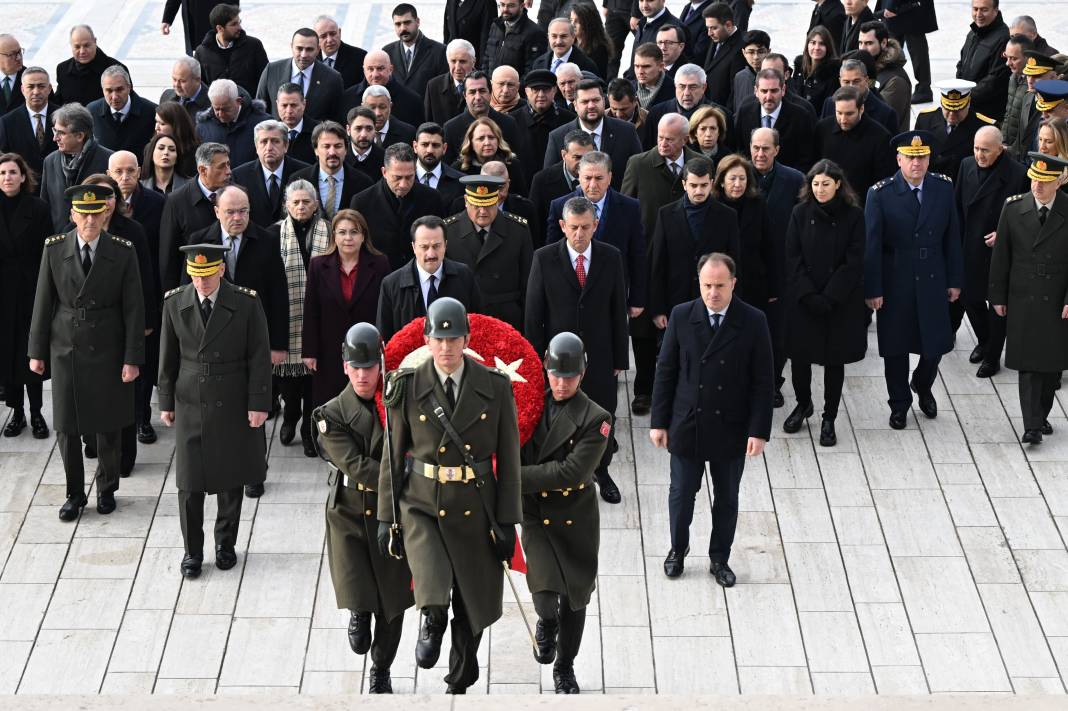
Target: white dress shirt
column 575, row 255
column 774, row 115
column 722, row 315
column 424, row 280
column 435, row 175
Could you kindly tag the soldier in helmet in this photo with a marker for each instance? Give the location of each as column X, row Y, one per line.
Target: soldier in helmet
column 449, row 419
column 365, row 580
column 561, row 524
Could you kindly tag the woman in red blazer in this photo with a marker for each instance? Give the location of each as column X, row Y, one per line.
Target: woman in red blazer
column 342, row 289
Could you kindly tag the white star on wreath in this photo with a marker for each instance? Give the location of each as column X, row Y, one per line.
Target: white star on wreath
column 421, row 354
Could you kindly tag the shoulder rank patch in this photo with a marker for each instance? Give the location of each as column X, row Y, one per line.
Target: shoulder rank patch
column 123, row 242
column 882, row 184
column 942, row 176
column 984, row 118
column 606, row 429
column 929, row 109
column 394, row 392
column 172, row 292
column 55, row 239
column 245, row 290
column 1014, row 198
column 498, row 371
column 453, row 218
column 516, row 218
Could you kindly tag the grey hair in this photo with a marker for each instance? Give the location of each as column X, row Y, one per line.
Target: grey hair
column 579, row 206
column 189, row 63
column 460, row 44
column 376, row 90
column 569, row 67
column 302, row 185
column 206, row 153
column 691, row 70
column 223, row 88
column 229, row 188
column 87, row 28
column 496, row 168
column 853, row 65
column 597, row 159
column 398, row 153
column 76, row 118
column 272, row 125
column 1025, row 23
column 566, row 21
column 324, row 18
column 993, row 131
column 36, row 70
column 116, row 70
column 673, row 120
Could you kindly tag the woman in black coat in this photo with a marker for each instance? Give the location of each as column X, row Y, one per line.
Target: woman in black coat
column 815, row 74
column 736, row 187
column 24, row 225
column 329, row 310
column 483, row 143
column 826, row 320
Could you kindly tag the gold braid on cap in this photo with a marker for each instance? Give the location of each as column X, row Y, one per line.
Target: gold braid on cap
column 481, row 196
column 915, row 148
column 199, row 266
column 1041, row 172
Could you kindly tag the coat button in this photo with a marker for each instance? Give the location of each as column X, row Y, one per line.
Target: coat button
column 442, row 450
column 568, row 522
column 545, row 494
column 368, row 512
column 545, row 521
column 467, row 513
column 717, row 412
column 441, row 513
column 202, row 378
column 719, row 387
column 483, row 416
column 218, row 403
column 467, row 447
column 582, row 486
column 422, row 418
column 566, row 492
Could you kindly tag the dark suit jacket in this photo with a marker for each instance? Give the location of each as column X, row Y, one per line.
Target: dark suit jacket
column 874, row 108
column 697, row 40
column 348, row 62
column 406, row 105
column 456, row 127
column 54, row 181
column 796, row 129
column 578, row 58
column 17, row 99
column 831, row 15
column 646, row 31
column 428, row 61
column 399, row 132
column 260, row 268
column 441, row 101
column 648, row 180
column 863, row 152
column 713, row 393
column 721, row 67
column 781, row 196
column 133, row 133
column 250, row 177
column 536, row 133
column 620, row 226
column 401, row 298
column 391, row 222
column 547, row 185
column 321, row 95
column 371, row 166
column 327, row 316
column 596, row 313
column 355, row 181
column 18, row 135
column 198, row 104
column 301, row 147
column 619, row 140
column 185, row 212
column 148, row 212
column 449, row 186
column 469, row 20
column 850, row 31
column 196, row 20
column 676, row 249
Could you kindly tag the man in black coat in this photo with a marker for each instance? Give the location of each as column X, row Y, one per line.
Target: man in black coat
column 408, row 291
column 444, row 97
column 795, row 126
column 562, row 49
column 985, row 181
column 507, row 201
column 395, row 202
column 266, row 178
column 231, row 119
column 692, row 23
column 416, row 58
column 831, row 15
column 691, row 93
column 78, row 78
column 332, row 172
column 909, row 22
column 538, row 116
column 724, row 58
column 618, row 139
column 577, row 285
column 189, row 209
column 195, row 19
column 469, row 20
column 226, row 52
column 513, row 39
column 76, row 157
column 187, row 88
column 365, row 154
column 388, row 128
column 345, row 59
column 477, row 96
column 651, row 15
column 858, row 145
column 11, row 69
column 556, row 181
column 320, row 84
column 431, row 170
column 21, row 131
column 122, row 120
column 953, row 125
column 857, row 13
column 378, row 70
column 712, row 402
column 981, row 59
column 289, row 106
column 254, row 262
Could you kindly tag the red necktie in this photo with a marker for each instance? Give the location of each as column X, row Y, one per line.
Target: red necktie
column 580, row 270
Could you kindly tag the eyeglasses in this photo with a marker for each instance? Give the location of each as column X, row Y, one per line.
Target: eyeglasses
column 667, row 43
column 17, row 53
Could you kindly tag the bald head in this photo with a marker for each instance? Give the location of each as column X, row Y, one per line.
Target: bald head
column 504, row 72
column 122, row 166
column 505, row 91
column 500, row 170
column 671, row 135
column 987, row 146
column 377, row 67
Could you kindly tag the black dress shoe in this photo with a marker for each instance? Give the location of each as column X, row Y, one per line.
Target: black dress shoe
column 254, row 491
column 455, row 689
column 674, row 563
column 723, row 574
column 90, row 451
column 380, row 682
column 16, row 424
column 795, row 419
column 928, row 405
column 607, row 487
column 225, row 558
column 564, row 681
column 1032, row 437
column 976, row 356
column 191, row 566
column 70, row 508
column 428, row 645
column 126, row 470
column 545, row 636
column 779, row 399
column 38, row 426
column 987, row 370
column 898, row 420
column 286, row 433
column 828, row 437
column 309, row 446
column 922, row 95
column 146, row 433
column 105, row 503
column 1047, row 428
column 360, row 632
column 640, row 405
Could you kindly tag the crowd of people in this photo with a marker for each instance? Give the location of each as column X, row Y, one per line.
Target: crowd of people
column 719, row 209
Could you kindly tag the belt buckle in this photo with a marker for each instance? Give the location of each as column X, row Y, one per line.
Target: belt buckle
column 450, row 474
column 923, row 253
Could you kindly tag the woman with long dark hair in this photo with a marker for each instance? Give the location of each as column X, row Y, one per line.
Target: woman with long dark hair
column 159, row 165
column 173, row 120
column 816, row 69
column 590, row 35
column 826, row 320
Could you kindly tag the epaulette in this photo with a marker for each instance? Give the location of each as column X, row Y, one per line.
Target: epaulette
column 984, row 118
column 1014, row 198
column 393, row 394
column 943, row 176
column 498, row 371
column 517, row 218
column 453, row 218
column 882, row 184
column 245, row 290
column 123, row 242
column 54, row 239
column 929, row 109
column 172, row 292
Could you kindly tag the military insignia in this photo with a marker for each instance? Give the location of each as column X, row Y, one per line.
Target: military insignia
column 446, row 324
column 944, row 177
column 984, row 118
column 482, row 190
column 1032, row 62
column 123, row 242
column 324, row 427
column 200, row 259
column 172, row 292
column 1014, row 198
column 246, row 291
column 55, row 239
column 517, row 218
column 1040, row 164
column 917, row 142
column 89, row 197
column 881, row 184
column 451, row 219
column 606, row 429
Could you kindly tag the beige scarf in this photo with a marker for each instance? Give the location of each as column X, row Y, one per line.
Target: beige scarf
column 319, row 239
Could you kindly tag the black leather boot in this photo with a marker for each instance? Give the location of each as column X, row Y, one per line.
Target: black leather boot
column 545, row 636
column 360, row 632
column 431, row 629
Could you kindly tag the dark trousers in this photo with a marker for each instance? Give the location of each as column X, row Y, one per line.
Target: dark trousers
column 1037, row 391
column 686, row 475
column 297, row 401
column 109, row 453
column 617, row 27
column 645, row 348
column 191, row 516
column 386, row 640
column 919, row 55
column 463, row 657
column 833, row 379
column 989, row 329
column 15, row 395
column 605, row 392
column 777, row 327
column 553, row 606
column 896, row 371
column 146, row 380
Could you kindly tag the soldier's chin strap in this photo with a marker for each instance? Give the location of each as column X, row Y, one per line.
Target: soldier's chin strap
column 395, row 536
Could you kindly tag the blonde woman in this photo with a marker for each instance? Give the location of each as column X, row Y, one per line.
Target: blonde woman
column 484, row 143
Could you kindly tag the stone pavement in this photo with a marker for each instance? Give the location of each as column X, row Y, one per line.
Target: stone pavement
column 922, row 561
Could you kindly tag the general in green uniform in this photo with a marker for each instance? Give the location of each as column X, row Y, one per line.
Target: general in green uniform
column 89, row 324
column 365, row 580
column 447, row 495
column 215, row 385
column 561, row 523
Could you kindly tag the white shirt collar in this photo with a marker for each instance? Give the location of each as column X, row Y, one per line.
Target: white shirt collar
column 420, row 171
column 596, row 129
column 331, row 56
column 267, row 173
column 774, row 114
column 212, row 297
column 678, row 161
column 294, row 71
column 32, row 113
column 600, row 205
column 125, row 107
column 225, row 236
column 204, row 189
column 574, row 255
column 654, row 17
column 92, row 245
column 722, row 312
column 567, row 56
column 424, row 275
column 457, row 376
column 1039, row 205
